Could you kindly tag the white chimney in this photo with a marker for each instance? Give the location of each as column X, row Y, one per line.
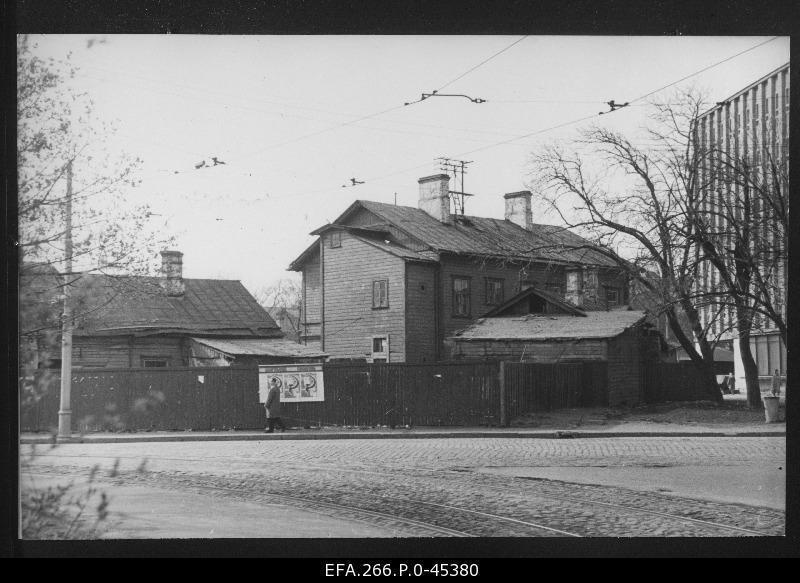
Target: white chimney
column 172, row 272
column 518, row 209
column 434, row 197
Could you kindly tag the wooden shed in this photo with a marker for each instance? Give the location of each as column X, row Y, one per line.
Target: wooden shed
column 535, row 326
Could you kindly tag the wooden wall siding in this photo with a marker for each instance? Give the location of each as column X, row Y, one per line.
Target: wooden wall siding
column 365, row 218
column 312, row 292
column 610, row 278
column 478, row 269
column 114, row 351
column 546, row 387
column 154, row 399
column 350, row 320
column 420, row 313
column 536, row 352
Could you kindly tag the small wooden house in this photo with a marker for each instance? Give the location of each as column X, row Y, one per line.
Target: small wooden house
column 536, row 326
column 124, row 321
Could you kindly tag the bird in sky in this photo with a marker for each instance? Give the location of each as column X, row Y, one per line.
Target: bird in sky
column 93, row 41
column 354, row 182
column 200, row 164
column 216, row 161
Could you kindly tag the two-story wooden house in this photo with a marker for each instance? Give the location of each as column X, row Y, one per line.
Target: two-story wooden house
column 390, row 283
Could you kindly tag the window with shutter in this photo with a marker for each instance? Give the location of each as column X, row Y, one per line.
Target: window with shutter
column 380, row 294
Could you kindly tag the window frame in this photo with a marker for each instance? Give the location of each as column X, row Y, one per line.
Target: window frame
column 381, row 356
column 502, row 288
column 615, row 291
column 381, row 305
column 336, row 239
column 144, row 359
column 454, row 295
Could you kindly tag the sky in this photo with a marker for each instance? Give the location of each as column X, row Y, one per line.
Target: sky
column 294, row 118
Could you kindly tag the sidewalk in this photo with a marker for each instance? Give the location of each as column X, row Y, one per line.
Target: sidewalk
column 689, row 419
column 640, row 429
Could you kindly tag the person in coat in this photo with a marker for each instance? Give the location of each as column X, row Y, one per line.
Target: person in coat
column 273, row 406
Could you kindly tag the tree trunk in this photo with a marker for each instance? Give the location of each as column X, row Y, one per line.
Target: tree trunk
column 750, row 371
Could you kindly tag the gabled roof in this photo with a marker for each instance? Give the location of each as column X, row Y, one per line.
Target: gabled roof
column 486, row 237
column 545, row 327
column 138, row 305
column 551, row 298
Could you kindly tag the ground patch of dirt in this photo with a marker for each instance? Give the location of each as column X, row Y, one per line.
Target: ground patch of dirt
column 683, row 413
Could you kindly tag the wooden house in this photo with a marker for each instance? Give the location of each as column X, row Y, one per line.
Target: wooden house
column 171, row 321
column 388, row 283
column 538, row 327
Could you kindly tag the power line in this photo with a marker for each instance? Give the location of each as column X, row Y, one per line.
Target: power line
column 705, row 69
column 464, row 74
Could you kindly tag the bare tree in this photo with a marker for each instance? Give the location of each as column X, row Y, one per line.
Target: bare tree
column 284, row 293
column 96, row 227
column 640, row 202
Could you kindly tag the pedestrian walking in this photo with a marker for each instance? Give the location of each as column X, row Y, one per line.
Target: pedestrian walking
column 273, row 407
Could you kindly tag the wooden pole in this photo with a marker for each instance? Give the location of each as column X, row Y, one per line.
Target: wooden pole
column 503, row 400
column 65, row 412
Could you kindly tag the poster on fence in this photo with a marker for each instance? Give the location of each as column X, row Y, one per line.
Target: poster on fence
column 298, row 383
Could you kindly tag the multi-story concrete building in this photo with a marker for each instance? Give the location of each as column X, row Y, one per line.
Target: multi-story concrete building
column 388, row 283
column 749, row 129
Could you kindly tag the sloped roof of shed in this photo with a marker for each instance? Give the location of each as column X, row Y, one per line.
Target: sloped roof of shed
column 138, row 304
column 542, row 327
column 277, row 347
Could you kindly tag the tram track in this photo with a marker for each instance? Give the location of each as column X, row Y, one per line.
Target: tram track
column 446, row 519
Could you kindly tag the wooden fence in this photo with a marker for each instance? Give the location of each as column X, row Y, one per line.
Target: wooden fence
column 356, row 395
column 404, row 394
column 153, row 399
column 531, row 388
column 672, row 381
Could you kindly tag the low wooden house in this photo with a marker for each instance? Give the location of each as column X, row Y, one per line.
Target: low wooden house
column 536, row 326
column 171, row 321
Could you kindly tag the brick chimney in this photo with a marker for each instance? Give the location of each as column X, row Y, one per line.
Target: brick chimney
column 172, row 273
column 434, row 197
column 518, row 209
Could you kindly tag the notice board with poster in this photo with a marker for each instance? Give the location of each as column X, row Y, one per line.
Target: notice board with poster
column 298, row 383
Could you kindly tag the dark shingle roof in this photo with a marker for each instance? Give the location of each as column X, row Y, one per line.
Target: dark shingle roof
column 488, row 237
column 112, row 304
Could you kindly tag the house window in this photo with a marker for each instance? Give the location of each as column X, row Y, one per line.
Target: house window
column 612, row 297
column 336, row 239
column 154, row 362
column 380, row 294
column 461, row 296
column 380, row 349
column 494, row 291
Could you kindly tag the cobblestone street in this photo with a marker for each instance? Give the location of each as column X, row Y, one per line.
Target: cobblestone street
column 451, row 487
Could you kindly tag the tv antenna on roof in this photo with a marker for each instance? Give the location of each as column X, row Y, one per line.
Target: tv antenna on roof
column 457, row 168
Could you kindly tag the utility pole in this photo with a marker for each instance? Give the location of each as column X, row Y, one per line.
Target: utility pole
column 65, row 412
